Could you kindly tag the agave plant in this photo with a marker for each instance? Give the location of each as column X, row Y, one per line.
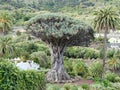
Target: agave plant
column 114, row 64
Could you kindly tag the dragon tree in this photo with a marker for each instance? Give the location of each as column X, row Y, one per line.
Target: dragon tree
column 58, row 32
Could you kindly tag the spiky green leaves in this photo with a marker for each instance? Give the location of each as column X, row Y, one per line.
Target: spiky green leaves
column 106, row 18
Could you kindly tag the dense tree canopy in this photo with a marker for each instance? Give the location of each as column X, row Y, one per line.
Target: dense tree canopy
column 55, row 28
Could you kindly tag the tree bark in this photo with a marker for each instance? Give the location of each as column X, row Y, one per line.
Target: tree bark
column 58, row 71
column 104, row 53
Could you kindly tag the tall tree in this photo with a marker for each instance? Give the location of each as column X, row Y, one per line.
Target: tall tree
column 6, row 21
column 58, row 32
column 105, row 19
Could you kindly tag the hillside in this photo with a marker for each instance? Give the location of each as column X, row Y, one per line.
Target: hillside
column 23, row 10
column 56, row 5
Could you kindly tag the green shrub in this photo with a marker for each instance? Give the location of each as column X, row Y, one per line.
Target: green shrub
column 67, row 86
column 115, row 86
column 114, row 64
column 117, row 54
column 110, row 53
column 111, row 76
column 95, row 70
column 81, row 52
column 68, row 65
column 18, row 33
column 79, row 68
column 106, row 82
column 8, row 76
column 32, row 80
column 27, row 46
column 75, row 67
column 43, row 47
column 11, row 78
column 54, row 87
column 85, row 86
column 74, row 87
column 117, row 79
column 41, row 58
column 97, row 87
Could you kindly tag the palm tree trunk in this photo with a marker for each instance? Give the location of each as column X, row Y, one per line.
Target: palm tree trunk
column 104, row 53
column 4, row 31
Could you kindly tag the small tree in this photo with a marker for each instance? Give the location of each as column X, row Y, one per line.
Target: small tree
column 58, row 32
column 6, row 21
column 105, row 19
column 6, row 47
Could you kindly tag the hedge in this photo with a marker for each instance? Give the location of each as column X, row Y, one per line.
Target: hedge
column 81, row 52
column 11, row 78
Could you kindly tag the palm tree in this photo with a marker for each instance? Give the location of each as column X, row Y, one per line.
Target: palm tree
column 6, row 21
column 6, row 46
column 105, row 19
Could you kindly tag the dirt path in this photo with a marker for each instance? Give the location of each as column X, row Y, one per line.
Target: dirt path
column 79, row 82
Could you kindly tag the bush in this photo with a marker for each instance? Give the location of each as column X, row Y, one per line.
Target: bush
column 11, row 78
column 110, row 53
column 41, row 58
column 27, row 46
column 75, row 67
column 67, row 86
column 111, row 77
column 95, row 70
column 117, row 79
column 54, row 87
column 114, row 64
column 85, row 86
column 81, row 52
column 97, row 87
column 43, row 47
column 68, row 66
column 74, row 87
column 79, row 68
column 115, row 86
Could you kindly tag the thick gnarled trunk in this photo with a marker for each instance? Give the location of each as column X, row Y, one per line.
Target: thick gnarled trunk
column 58, row 71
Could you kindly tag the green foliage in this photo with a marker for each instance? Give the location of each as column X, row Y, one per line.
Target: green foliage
column 110, row 53
column 106, row 18
column 95, row 70
column 76, row 67
column 85, row 86
column 114, row 64
column 18, row 33
column 74, row 87
column 116, row 86
column 79, row 68
column 81, row 52
column 43, row 47
column 68, row 65
column 117, row 79
column 67, row 86
column 41, row 58
column 27, row 46
column 54, row 87
column 97, row 87
column 11, row 78
column 111, row 77
column 7, row 48
column 99, row 39
column 62, row 27
column 6, row 21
